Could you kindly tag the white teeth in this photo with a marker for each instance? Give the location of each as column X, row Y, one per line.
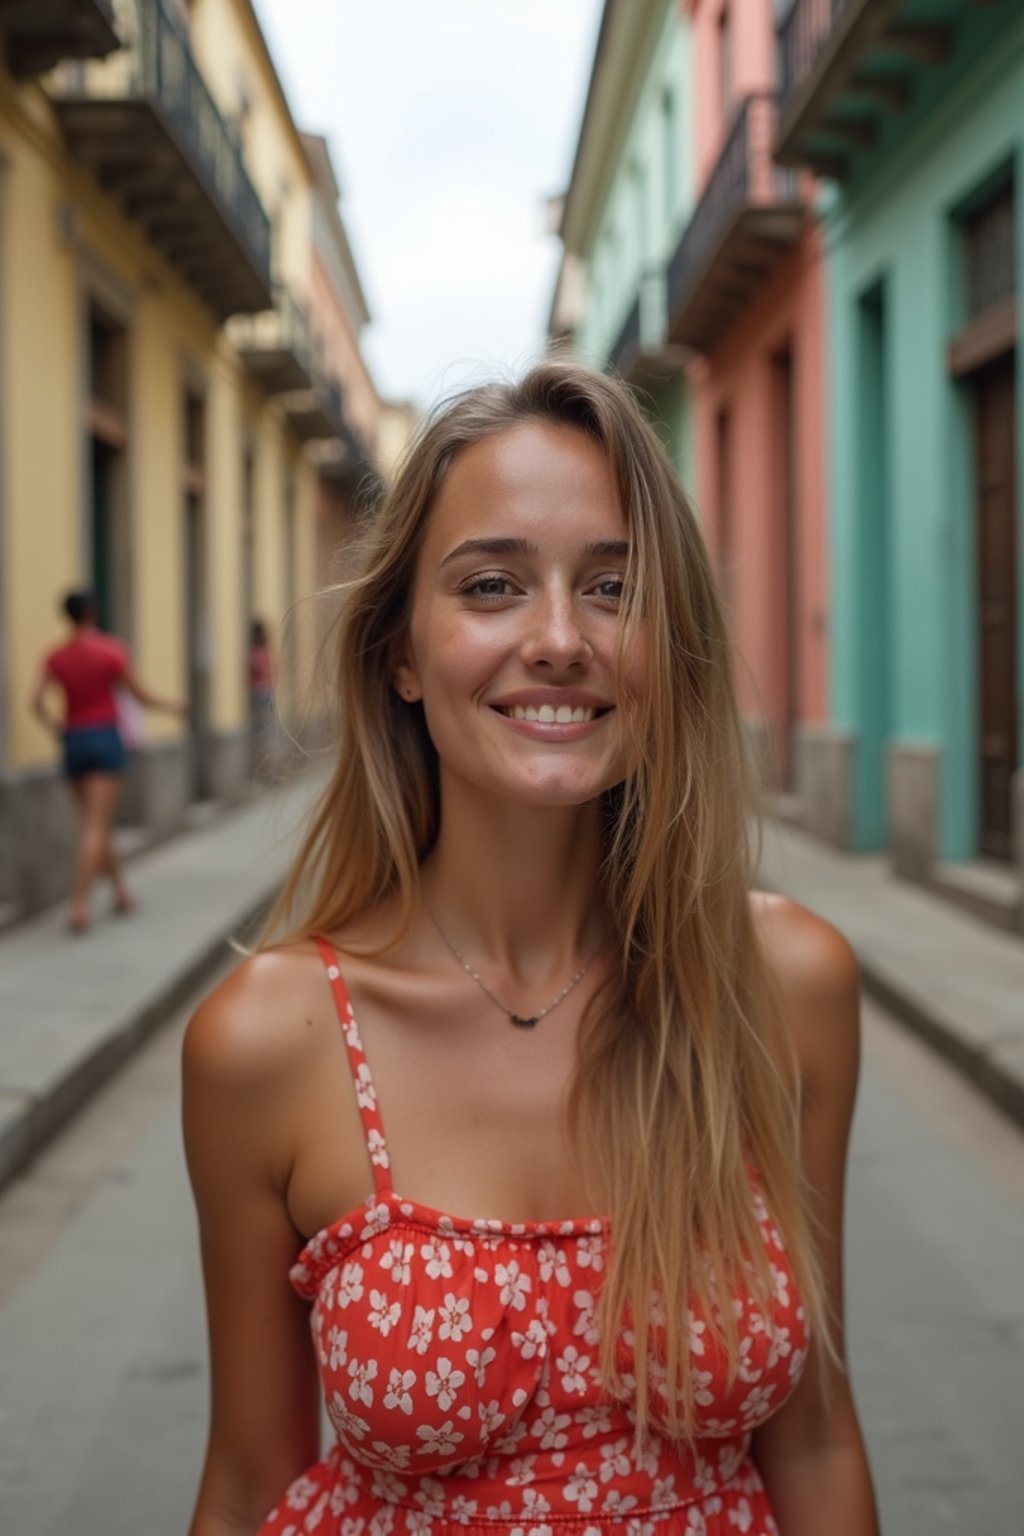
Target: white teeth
column 546, row 714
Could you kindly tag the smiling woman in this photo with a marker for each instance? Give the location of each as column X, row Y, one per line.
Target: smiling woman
column 576, row 1281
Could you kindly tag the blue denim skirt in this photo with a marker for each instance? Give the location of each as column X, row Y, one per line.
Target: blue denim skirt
column 94, row 749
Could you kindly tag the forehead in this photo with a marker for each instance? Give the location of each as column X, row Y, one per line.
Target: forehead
column 534, row 478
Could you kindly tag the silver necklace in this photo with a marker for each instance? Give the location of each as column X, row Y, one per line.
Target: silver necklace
column 521, row 1021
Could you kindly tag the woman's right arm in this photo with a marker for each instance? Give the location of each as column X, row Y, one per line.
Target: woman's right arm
column 238, row 1069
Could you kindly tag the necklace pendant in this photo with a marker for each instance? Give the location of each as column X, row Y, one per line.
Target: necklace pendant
column 521, row 1023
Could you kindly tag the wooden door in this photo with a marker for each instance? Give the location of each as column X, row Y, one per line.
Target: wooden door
column 995, row 465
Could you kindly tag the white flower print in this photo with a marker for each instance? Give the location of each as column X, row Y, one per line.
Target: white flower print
column 444, row 1383
column 697, row 1329
column 300, row 1493
column 614, row 1460
column 549, row 1429
column 490, row 1416
column 462, row 1509
column 377, row 1149
column 365, row 1093
column 430, row 1494
column 350, row 1285
column 387, row 1486
column 535, row 1504
column 742, row 1516
column 593, row 1419
column 396, row 1456
column 348, row 1424
column 455, row 1319
column 757, row 1404
column 383, row 1315
column 397, row 1259
column 590, row 1253
column 779, row 1349
column 552, row 1265
column 616, row 1503
column 438, row 1257
column 382, row 1521
column 515, row 1285
column 534, row 1341
column 337, row 1341
column 581, row 1489
column 586, row 1321
column 573, row 1367
column 520, row 1471
column 479, row 1359
column 422, row 1330
column 780, row 1280
column 362, row 1374
column 399, row 1390
column 438, row 1442
column 663, row 1494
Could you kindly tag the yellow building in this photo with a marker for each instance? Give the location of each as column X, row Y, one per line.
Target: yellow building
column 162, row 391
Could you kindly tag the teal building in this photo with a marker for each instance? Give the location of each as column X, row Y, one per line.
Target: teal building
column 913, row 114
column 630, row 196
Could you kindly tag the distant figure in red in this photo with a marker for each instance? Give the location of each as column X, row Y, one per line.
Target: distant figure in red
column 90, row 668
column 262, row 682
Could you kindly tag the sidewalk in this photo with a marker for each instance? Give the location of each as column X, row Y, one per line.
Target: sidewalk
column 947, row 975
column 72, row 1008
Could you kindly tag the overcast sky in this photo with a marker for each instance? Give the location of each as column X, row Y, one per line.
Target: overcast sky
column 450, row 122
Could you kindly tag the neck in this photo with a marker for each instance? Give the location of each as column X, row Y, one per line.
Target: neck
column 518, row 885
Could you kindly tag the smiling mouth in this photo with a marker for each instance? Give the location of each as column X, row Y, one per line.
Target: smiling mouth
column 550, row 714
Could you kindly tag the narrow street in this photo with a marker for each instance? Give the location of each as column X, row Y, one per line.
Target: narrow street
column 102, row 1374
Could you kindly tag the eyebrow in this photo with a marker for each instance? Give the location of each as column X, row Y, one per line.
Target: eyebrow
column 603, row 549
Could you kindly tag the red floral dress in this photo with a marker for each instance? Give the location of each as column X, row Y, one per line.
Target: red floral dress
column 459, row 1367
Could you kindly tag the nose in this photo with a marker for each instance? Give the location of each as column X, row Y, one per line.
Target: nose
column 554, row 635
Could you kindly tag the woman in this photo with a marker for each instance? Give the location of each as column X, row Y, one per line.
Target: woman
column 262, row 706
column 90, row 669
column 528, row 881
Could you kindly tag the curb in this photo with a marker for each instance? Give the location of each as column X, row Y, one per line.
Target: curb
column 26, row 1134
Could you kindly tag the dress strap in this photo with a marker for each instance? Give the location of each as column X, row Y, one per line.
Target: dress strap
column 366, row 1094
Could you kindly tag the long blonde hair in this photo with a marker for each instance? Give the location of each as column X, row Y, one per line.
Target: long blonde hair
column 684, row 1077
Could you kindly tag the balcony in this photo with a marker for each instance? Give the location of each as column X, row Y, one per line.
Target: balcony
column 749, row 218
column 642, row 353
column 316, row 412
column 146, row 124
column 39, row 33
column 277, row 346
column 849, row 68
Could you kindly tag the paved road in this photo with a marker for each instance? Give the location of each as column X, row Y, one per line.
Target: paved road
column 102, row 1389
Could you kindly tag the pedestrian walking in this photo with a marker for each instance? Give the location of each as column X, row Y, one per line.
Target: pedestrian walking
column 262, row 703
column 552, row 1104
column 92, row 669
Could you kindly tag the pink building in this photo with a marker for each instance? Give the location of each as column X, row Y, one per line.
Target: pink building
column 754, row 317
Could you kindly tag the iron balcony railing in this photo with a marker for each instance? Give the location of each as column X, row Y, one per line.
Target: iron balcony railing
column 801, row 33
column 745, row 176
column 284, row 328
column 156, row 65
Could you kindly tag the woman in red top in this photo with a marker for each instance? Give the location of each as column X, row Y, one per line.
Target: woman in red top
column 566, row 1202
column 90, row 668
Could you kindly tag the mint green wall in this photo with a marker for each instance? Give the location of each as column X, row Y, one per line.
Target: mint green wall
column 672, row 418
column 903, row 572
column 638, row 230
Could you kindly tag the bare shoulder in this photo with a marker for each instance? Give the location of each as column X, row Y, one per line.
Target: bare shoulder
column 259, row 1023
column 818, row 977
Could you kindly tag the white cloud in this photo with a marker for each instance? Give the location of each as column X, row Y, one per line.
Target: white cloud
column 450, row 121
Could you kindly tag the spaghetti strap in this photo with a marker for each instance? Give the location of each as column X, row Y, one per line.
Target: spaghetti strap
column 366, row 1094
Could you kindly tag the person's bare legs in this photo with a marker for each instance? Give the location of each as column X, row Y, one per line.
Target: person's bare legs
column 97, row 795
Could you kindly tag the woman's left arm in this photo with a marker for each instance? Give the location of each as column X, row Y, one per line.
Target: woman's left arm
column 811, row 1454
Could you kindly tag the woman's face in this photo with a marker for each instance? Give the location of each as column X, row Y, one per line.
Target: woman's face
column 515, row 618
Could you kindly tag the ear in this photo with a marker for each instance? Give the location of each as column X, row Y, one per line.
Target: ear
column 405, row 677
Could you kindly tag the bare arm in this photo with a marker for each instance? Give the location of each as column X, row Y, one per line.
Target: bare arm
column 264, row 1419
column 151, row 700
column 38, row 702
column 811, row 1453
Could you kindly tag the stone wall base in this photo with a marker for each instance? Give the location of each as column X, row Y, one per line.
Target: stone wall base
column 227, row 766
column 824, row 782
column 912, row 804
